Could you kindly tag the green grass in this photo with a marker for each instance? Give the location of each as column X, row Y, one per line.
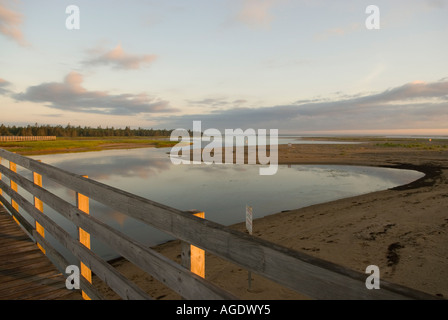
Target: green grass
column 80, row 144
column 418, row 145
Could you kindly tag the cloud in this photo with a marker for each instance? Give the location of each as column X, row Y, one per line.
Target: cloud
column 3, row 84
column 70, row 95
column 436, row 3
column 257, row 13
column 412, row 90
column 337, row 31
column 217, row 102
column 10, row 24
column 415, row 105
column 117, row 58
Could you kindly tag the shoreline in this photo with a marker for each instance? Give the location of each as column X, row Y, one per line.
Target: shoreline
column 402, row 230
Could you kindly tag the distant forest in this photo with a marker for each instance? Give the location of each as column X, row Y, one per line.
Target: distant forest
column 73, row 132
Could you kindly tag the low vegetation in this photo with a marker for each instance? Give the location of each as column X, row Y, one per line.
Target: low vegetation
column 417, row 145
column 70, row 131
column 63, row 145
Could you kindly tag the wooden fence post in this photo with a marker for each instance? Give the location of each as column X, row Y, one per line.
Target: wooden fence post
column 193, row 258
column 13, row 168
column 37, row 178
column 1, row 192
column 84, row 238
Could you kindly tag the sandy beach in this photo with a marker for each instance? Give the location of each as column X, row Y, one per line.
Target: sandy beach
column 402, row 230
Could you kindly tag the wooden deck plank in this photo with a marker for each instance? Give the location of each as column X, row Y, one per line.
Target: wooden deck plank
column 6, row 238
column 29, row 291
column 11, row 285
column 17, row 247
column 18, row 286
column 25, row 272
column 17, row 264
column 25, row 269
column 10, row 230
column 17, row 258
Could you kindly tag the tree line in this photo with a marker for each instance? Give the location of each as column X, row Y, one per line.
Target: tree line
column 73, row 131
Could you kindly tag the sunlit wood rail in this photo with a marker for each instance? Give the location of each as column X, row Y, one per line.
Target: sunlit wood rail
column 310, row 276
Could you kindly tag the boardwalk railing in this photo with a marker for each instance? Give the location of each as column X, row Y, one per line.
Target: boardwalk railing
column 305, row 274
column 26, row 138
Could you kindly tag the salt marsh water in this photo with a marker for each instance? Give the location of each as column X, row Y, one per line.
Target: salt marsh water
column 221, row 191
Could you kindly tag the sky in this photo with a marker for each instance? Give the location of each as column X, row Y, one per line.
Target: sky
column 299, row 66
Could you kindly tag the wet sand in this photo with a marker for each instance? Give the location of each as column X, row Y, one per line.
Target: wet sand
column 404, row 230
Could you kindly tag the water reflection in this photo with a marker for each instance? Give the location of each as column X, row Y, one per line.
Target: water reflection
column 222, row 191
column 198, row 142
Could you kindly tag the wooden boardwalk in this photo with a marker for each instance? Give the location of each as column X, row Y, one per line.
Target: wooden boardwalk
column 25, row 272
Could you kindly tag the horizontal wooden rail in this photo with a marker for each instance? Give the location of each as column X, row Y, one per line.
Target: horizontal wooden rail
column 60, row 262
column 163, row 269
column 26, row 138
column 122, row 286
column 308, row 275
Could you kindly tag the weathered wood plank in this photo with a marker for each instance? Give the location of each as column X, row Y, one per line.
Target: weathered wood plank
column 11, row 239
column 84, row 238
column 37, row 178
column 27, row 260
column 13, row 285
column 22, row 248
column 31, row 284
column 197, row 255
column 16, row 258
column 192, row 257
column 163, row 269
column 26, row 270
column 7, row 228
column 121, row 285
column 23, row 223
column 309, row 275
column 25, row 274
column 54, row 295
column 1, row 192
column 13, row 167
column 15, row 238
column 61, row 264
column 306, row 274
column 35, row 291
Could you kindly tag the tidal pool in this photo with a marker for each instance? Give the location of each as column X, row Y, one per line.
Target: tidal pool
column 222, row 191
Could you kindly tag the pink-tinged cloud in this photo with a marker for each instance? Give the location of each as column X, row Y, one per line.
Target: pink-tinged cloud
column 119, row 59
column 3, row 85
column 257, row 13
column 10, row 24
column 70, row 95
